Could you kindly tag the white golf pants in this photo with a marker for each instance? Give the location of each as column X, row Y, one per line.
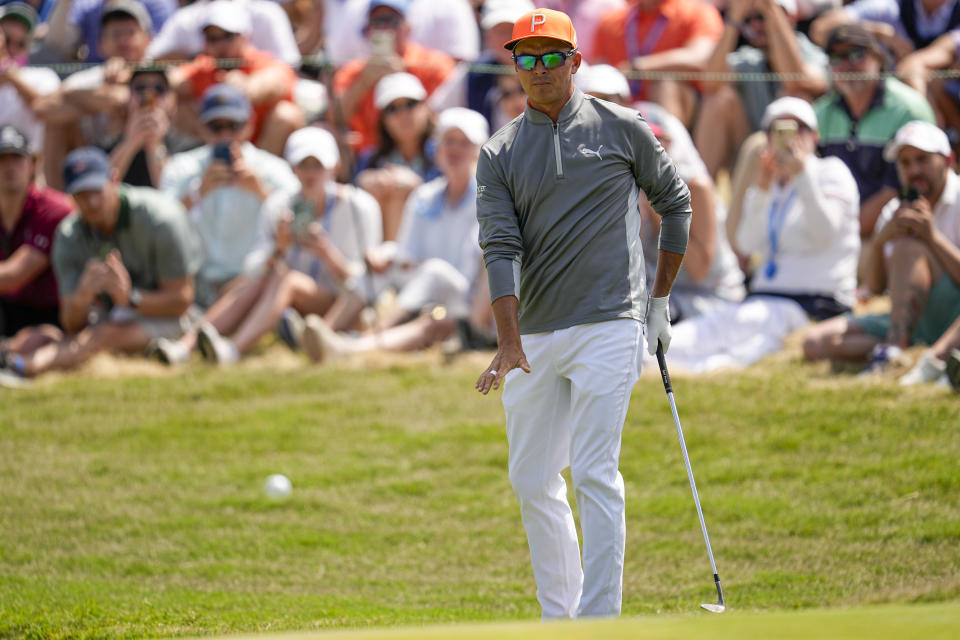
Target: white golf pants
column 569, row 411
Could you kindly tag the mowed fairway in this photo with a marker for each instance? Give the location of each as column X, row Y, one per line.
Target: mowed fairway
column 132, row 505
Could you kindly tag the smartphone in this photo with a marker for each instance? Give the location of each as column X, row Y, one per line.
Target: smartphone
column 383, row 44
column 222, row 152
column 782, row 133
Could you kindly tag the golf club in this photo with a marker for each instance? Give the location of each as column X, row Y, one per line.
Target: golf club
column 720, row 607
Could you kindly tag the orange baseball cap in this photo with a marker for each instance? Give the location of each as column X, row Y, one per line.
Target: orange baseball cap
column 543, row 23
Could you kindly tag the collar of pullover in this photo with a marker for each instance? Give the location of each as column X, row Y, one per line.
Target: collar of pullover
column 569, row 110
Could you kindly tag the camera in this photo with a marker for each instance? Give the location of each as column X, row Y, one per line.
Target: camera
column 910, row 194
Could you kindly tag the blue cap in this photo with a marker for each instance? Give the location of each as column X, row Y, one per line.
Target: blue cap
column 86, row 169
column 224, row 101
column 400, row 6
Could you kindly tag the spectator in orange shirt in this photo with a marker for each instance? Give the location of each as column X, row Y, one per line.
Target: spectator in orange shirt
column 267, row 81
column 660, row 35
column 392, row 51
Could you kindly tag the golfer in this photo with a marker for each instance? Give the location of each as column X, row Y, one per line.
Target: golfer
column 560, row 231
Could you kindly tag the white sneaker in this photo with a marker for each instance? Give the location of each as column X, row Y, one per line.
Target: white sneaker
column 171, row 352
column 928, row 369
column 320, row 342
column 214, row 347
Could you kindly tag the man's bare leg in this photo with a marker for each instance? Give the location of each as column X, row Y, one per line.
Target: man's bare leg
column 721, row 128
column 912, row 270
column 73, row 351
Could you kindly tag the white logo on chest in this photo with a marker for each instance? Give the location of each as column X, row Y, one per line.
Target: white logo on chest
column 589, row 153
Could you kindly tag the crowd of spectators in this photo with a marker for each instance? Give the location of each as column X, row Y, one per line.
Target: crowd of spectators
column 194, row 175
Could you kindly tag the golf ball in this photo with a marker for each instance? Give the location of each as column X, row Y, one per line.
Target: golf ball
column 278, row 486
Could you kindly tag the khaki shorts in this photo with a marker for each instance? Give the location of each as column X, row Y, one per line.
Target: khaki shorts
column 157, row 327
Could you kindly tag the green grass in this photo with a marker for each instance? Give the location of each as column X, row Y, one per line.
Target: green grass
column 132, row 506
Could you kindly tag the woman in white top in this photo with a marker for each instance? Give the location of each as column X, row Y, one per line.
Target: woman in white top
column 800, row 222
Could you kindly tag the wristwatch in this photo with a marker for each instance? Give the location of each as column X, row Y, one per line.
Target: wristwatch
column 135, row 298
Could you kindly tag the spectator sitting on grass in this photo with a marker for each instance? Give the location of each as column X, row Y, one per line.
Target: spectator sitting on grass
column 916, row 257
column 800, row 218
column 28, row 221
column 318, row 236
column 436, row 261
column 124, row 264
column 224, row 184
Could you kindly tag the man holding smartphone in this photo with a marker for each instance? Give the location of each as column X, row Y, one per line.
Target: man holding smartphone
column 223, row 184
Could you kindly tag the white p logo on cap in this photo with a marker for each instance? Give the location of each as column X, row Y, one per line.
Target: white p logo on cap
column 535, row 19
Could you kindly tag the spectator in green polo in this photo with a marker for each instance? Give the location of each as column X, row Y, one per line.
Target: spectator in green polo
column 125, row 263
column 861, row 115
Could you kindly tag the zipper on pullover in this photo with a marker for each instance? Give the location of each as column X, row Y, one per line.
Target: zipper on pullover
column 556, row 149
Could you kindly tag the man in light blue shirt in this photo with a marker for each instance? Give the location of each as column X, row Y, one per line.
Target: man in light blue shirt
column 223, row 184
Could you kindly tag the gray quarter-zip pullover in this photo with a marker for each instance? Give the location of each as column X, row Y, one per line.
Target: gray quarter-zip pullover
column 559, row 222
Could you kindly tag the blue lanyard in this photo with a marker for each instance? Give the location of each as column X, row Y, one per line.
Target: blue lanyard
column 775, row 221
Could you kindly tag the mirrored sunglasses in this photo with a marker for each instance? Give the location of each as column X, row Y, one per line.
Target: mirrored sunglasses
column 551, row 60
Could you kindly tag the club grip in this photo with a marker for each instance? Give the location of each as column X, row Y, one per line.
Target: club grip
column 664, row 374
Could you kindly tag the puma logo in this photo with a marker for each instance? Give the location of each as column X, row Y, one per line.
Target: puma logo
column 588, row 153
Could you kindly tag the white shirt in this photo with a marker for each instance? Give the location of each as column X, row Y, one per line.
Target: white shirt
column 946, row 213
column 13, row 110
column 353, row 222
column 817, row 230
column 227, row 218
column 431, row 228
column 271, row 31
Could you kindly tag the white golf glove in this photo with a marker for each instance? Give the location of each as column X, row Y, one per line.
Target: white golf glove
column 658, row 323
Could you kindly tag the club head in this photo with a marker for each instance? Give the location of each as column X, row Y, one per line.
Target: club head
column 714, row 608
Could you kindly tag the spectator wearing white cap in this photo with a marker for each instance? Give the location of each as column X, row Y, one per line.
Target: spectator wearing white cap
column 181, row 37
column 731, row 111
column 312, row 241
column 267, row 81
column 403, row 158
column 436, row 260
column 915, row 257
column 800, row 223
column 603, row 81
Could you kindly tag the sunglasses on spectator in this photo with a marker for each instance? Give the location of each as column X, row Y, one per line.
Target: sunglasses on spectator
column 158, row 88
column 384, row 22
column 552, row 60
column 218, row 126
column 753, row 17
column 855, row 55
column 509, row 93
column 397, row 107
